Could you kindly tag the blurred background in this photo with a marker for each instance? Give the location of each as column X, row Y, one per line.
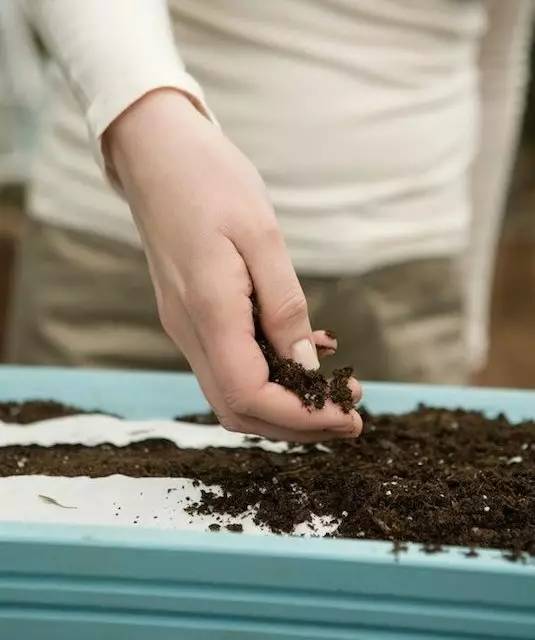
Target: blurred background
column 512, row 356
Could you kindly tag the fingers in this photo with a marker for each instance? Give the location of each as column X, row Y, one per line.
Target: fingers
column 290, row 435
column 284, row 417
column 221, row 315
column 280, row 407
column 241, row 375
column 283, row 308
column 246, row 424
column 326, row 343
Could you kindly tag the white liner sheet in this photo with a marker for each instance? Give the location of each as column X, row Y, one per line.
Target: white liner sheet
column 119, row 500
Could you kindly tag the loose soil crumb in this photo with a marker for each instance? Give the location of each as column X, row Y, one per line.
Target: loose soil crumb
column 235, row 528
column 312, row 387
column 399, row 547
column 431, row 548
column 206, row 419
column 432, row 476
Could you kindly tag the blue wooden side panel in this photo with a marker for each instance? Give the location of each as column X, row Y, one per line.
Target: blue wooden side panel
column 159, row 583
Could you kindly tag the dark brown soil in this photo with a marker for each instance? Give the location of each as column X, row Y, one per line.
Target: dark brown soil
column 432, row 476
column 35, row 410
column 311, row 386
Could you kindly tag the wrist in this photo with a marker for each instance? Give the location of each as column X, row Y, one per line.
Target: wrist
column 154, row 114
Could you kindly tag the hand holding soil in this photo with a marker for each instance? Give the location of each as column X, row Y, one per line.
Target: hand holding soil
column 211, row 238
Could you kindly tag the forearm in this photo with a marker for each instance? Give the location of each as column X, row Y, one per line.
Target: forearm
column 113, row 53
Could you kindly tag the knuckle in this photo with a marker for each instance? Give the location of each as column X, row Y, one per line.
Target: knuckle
column 234, row 425
column 167, row 319
column 229, row 424
column 270, row 232
column 237, row 401
column 198, row 304
column 292, row 308
column 193, row 299
column 263, row 231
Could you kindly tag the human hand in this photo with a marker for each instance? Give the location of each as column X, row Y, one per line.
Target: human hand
column 211, row 237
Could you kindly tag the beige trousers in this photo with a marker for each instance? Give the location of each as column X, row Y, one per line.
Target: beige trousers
column 84, row 300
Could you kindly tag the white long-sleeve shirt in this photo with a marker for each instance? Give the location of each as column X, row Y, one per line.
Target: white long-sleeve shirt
column 364, row 118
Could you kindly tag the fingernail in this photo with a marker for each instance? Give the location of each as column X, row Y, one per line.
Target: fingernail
column 331, row 342
column 324, row 351
column 305, row 354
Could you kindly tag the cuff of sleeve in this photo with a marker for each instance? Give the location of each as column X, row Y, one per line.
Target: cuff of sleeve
column 106, row 108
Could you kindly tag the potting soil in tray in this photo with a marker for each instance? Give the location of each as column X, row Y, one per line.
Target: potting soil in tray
column 432, row 476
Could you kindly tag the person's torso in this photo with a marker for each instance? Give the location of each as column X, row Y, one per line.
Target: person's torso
column 360, row 114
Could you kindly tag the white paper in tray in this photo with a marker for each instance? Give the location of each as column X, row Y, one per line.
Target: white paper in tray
column 119, row 500
column 91, row 430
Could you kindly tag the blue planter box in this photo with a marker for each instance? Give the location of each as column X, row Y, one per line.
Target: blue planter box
column 88, row 583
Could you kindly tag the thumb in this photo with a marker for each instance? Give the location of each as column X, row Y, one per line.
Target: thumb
column 283, row 312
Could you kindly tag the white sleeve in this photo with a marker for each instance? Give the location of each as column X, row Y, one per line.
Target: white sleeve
column 504, row 70
column 113, row 52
